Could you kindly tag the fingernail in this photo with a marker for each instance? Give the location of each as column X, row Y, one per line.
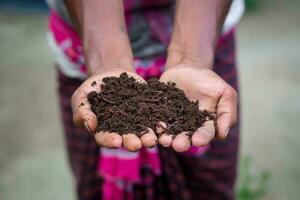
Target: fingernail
column 86, row 124
column 227, row 131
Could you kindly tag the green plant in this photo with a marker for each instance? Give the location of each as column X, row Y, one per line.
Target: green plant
column 252, row 185
column 252, row 4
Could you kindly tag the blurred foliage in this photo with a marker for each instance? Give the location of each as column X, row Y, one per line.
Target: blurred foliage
column 252, row 4
column 252, row 184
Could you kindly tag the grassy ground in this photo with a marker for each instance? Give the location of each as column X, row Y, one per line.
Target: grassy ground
column 33, row 162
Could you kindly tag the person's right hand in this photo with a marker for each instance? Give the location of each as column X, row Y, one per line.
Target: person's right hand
column 83, row 116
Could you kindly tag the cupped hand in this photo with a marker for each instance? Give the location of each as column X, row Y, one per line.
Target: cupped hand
column 83, row 116
column 213, row 94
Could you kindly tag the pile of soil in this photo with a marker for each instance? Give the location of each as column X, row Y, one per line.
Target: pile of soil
column 127, row 106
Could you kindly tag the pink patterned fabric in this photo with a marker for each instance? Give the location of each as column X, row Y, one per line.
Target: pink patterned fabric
column 119, row 168
column 67, row 41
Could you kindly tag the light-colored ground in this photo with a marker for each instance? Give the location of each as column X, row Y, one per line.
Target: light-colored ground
column 270, row 82
column 33, row 162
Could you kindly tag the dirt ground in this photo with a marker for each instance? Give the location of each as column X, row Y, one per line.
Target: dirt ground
column 33, row 163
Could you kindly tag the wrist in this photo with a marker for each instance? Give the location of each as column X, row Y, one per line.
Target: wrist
column 108, row 52
column 195, row 57
column 116, row 70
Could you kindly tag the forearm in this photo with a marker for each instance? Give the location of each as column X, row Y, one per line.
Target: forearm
column 197, row 26
column 101, row 26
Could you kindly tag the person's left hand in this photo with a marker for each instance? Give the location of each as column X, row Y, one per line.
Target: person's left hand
column 213, row 94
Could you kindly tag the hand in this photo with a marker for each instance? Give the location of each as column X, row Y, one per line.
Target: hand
column 213, row 94
column 83, row 116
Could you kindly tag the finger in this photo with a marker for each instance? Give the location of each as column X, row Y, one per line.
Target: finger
column 226, row 111
column 165, row 140
column 149, row 139
column 86, row 117
column 131, row 142
column 204, row 134
column 82, row 115
column 161, row 128
column 109, row 140
column 181, row 142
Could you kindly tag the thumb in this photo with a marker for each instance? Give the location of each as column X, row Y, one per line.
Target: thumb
column 226, row 111
column 82, row 114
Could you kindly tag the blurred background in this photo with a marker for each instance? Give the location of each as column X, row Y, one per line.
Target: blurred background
column 33, row 162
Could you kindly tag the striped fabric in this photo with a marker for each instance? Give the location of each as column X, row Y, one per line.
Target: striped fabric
column 204, row 176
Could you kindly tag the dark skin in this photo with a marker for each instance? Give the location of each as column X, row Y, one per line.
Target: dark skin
column 107, row 51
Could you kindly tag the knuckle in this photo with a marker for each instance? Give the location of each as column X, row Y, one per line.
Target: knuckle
column 232, row 92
